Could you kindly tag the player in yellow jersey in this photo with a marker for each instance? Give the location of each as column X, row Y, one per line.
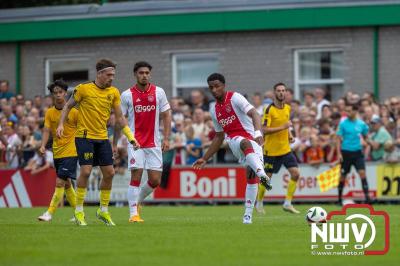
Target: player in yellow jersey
column 96, row 100
column 64, row 152
column 277, row 151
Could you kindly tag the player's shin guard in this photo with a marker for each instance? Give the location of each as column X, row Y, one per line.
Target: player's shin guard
column 251, row 194
column 133, row 194
column 80, row 197
column 145, row 190
column 104, row 199
column 290, row 191
column 71, row 196
column 55, row 200
column 364, row 183
column 254, row 161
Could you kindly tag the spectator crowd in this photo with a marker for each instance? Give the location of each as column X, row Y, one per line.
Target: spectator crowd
column 314, row 122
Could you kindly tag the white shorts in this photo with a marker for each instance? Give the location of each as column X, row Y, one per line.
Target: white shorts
column 234, row 145
column 146, row 158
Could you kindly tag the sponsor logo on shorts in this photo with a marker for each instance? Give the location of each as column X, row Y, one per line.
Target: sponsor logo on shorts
column 88, row 155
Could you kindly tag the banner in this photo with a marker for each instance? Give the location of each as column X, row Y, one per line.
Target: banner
column 18, row 188
column 388, row 176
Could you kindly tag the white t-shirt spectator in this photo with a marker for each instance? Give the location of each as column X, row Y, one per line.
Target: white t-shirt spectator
column 11, row 155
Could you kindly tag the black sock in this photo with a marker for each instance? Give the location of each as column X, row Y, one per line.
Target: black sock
column 340, row 190
column 364, row 183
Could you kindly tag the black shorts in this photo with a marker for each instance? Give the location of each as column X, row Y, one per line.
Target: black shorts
column 66, row 167
column 96, row 152
column 350, row 158
column 272, row 164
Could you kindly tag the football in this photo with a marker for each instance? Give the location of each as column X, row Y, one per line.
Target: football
column 316, row 215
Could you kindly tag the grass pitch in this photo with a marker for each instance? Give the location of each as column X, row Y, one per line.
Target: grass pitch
column 179, row 235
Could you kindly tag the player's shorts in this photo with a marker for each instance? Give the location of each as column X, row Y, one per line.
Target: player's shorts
column 234, row 145
column 145, row 158
column 66, row 167
column 350, row 158
column 272, row 164
column 96, row 152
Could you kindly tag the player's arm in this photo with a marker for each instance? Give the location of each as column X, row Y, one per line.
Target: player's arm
column 272, row 130
column 64, row 114
column 255, row 117
column 167, row 120
column 122, row 123
column 214, row 147
column 2, row 138
column 45, row 139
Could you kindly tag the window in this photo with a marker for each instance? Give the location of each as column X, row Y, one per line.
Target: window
column 71, row 70
column 190, row 71
column 323, row 68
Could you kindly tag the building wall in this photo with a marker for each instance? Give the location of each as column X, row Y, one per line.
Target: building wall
column 7, row 63
column 389, row 60
column 251, row 61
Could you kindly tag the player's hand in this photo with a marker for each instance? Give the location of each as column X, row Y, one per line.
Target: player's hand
column 287, row 125
column 340, row 158
column 42, row 150
column 115, row 151
column 199, row 163
column 165, row 145
column 60, row 130
column 260, row 140
column 291, row 139
column 135, row 144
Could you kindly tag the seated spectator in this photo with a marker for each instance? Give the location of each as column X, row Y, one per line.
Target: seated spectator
column 40, row 162
column 314, row 155
column 378, row 138
column 27, row 149
column 179, row 142
column 198, row 124
column 309, row 100
column 392, row 152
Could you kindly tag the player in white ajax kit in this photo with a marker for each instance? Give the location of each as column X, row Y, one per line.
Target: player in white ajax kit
column 144, row 104
column 237, row 121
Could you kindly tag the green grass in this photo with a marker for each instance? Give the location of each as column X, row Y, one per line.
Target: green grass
column 185, row 235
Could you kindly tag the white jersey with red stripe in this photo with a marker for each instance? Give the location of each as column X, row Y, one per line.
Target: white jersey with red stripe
column 231, row 117
column 143, row 109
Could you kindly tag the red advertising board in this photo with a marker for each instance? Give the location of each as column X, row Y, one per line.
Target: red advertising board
column 209, row 183
column 18, row 188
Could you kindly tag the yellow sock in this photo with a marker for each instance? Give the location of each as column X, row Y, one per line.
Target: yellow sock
column 105, row 197
column 55, row 200
column 291, row 189
column 80, row 196
column 261, row 192
column 71, row 196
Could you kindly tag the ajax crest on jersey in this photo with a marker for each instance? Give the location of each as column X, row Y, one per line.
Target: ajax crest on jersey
column 150, row 98
column 316, row 215
column 228, row 108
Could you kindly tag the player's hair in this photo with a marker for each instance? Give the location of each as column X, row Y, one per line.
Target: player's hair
column 141, row 64
column 58, row 83
column 216, row 76
column 104, row 63
column 279, row 84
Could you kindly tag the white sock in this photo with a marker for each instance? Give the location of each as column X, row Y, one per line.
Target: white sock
column 251, row 195
column 104, row 208
column 133, row 194
column 287, row 202
column 79, row 208
column 254, row 161
column 145, row 190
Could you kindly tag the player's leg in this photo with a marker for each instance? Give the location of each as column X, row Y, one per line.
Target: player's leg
column 69, row 170
column 291, row 188
column 250, row 195
column 360, row 167
column 70, row 193
column 255, row 161
column 135, row 164
column 85, row 152
column 268, row 168
column 103, row 153
column 345, row 169
column 58, row 195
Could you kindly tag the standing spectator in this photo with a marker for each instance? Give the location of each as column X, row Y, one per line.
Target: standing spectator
column 268, row 98
column 198, row 99
column 289, row 96
column 309, row 100
column 193, row 146
column 176, row 109
column 5, row 92
column 198, row 124
column 321, row 101
column 13, row 144
column 378, row 138
column 20, row 99
column 34, row 127
column 257, row 102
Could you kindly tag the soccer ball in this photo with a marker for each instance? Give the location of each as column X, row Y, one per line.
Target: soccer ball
column 316, row 215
